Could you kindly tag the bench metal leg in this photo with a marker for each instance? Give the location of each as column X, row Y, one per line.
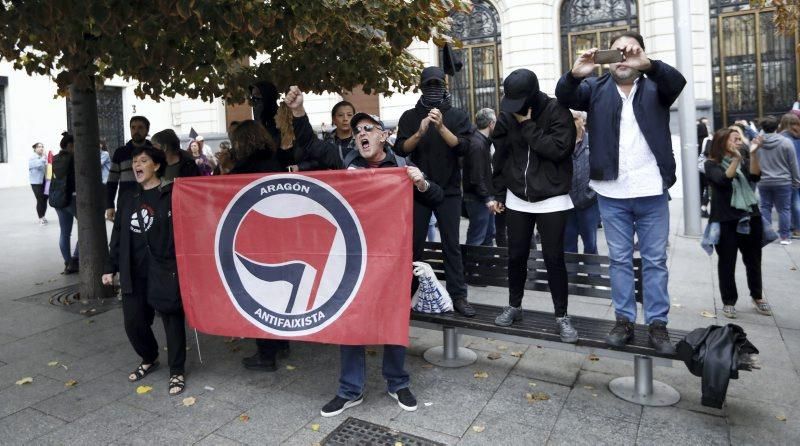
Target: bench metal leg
column 641, row 388
column 450, row 354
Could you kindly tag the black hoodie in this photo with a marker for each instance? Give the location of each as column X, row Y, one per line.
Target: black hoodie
column 433, row 156
column 534, row 159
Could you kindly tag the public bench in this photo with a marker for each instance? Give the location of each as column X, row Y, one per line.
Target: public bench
column 588, row 276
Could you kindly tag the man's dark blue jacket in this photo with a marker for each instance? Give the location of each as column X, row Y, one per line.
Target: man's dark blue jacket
column 598, row 96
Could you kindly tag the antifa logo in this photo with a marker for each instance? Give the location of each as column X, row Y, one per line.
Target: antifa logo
column 291, row 254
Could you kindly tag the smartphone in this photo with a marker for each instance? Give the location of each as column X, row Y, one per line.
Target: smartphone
column 608, row 56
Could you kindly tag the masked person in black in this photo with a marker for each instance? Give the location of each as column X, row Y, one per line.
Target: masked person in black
column 142, row 250
column 534, row 139
column 434, row 134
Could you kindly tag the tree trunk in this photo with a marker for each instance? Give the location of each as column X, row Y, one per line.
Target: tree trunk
column 89, row 188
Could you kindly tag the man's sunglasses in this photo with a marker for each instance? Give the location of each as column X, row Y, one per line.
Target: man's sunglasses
column 366, row 128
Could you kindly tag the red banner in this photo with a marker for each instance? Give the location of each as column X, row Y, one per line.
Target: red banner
column 319, row 256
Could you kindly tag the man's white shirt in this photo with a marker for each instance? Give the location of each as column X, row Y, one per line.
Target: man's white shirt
column 639, row 175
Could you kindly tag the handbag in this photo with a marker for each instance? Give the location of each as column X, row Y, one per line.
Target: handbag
column 163, row 289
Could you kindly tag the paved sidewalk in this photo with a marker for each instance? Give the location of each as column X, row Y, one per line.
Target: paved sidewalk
column 236, row 406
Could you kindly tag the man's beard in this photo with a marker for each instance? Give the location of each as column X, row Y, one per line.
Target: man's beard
column 138, row 139
column 630, row 75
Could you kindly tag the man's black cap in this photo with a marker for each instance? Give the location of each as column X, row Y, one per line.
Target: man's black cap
column 361, row 115
column 431, row 74
column 517, row 87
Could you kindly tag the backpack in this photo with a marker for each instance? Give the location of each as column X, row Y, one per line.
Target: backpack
column 59, row 195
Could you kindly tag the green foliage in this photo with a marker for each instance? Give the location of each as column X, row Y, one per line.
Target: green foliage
column 201, row 48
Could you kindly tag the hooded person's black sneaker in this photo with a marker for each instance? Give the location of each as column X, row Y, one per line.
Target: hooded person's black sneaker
column 659, row 338
column 338, row 405
column 405, row 399
column 257, row 362
column 621, row 334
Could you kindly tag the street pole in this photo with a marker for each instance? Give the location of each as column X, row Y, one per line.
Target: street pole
column 687, row 119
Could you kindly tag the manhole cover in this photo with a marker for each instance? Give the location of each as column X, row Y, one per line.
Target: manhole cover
column 68, row 298
column 355, row 432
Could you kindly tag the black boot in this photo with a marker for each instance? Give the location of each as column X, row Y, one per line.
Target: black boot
column 621, row 334
column 258, row 362
column 462, row 306
column 73, row 266
column 659, row 338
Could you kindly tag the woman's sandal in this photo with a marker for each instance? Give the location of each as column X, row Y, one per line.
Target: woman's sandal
column 762, row 307
column 176, row 384
column 141, row 371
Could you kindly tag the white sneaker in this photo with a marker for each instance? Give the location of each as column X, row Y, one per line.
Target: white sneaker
column 786, row 241
column 42, row 221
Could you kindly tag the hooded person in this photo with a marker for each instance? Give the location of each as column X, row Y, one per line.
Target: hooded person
column 534, row 139
column 434, row 135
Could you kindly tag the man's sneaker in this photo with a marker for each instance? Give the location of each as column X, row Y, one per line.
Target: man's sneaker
column 338, row 405
column 405, row 399
column 621, row 334
column 508, row 316
column 786, row 241
column 659, row 338
column 256, row 362
column 729, row 311
column 796, row 234
column 567, row 332
column 462, row 306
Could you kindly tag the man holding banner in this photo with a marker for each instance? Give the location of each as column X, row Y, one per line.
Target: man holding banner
column 372, row 153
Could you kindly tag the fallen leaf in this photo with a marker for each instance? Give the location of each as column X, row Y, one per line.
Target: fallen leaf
column 290, row 367
column 209, row 388
column 52, row 363
column 707, row 314
column 315, row 427
column 189, row 401
column 794, row 268
column 478, row 429
column 428, row 404
column 593, row 357
column 494, row 355
column 594, row 395
column 516, row 354
column 780, row 417
column 141, row 390
column 244, row 418
column 427, row 366
column 677, row 305
column 371, row 352
column 502, row 347
column 538, row 396
column 64, row 366
column 26, row 380
column 398, row 443
column 532, row 384
column 588, row 387
column 71, row 383
column 90, row 321
column 481, row 375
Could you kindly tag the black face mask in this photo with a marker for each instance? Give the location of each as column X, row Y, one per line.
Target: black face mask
column 434, row 94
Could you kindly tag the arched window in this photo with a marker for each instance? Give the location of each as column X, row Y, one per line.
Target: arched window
column 593, row 23
column 754, row 67
column 477, row 85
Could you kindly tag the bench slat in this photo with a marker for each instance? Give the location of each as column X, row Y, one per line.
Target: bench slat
column 541, row 325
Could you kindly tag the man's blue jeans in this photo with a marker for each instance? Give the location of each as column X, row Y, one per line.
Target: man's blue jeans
column 354, row 370
column 796, row 209
column 66, row 216
column 582, row 222
column 648, row 218
column 781, row 198
column 481, row 223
